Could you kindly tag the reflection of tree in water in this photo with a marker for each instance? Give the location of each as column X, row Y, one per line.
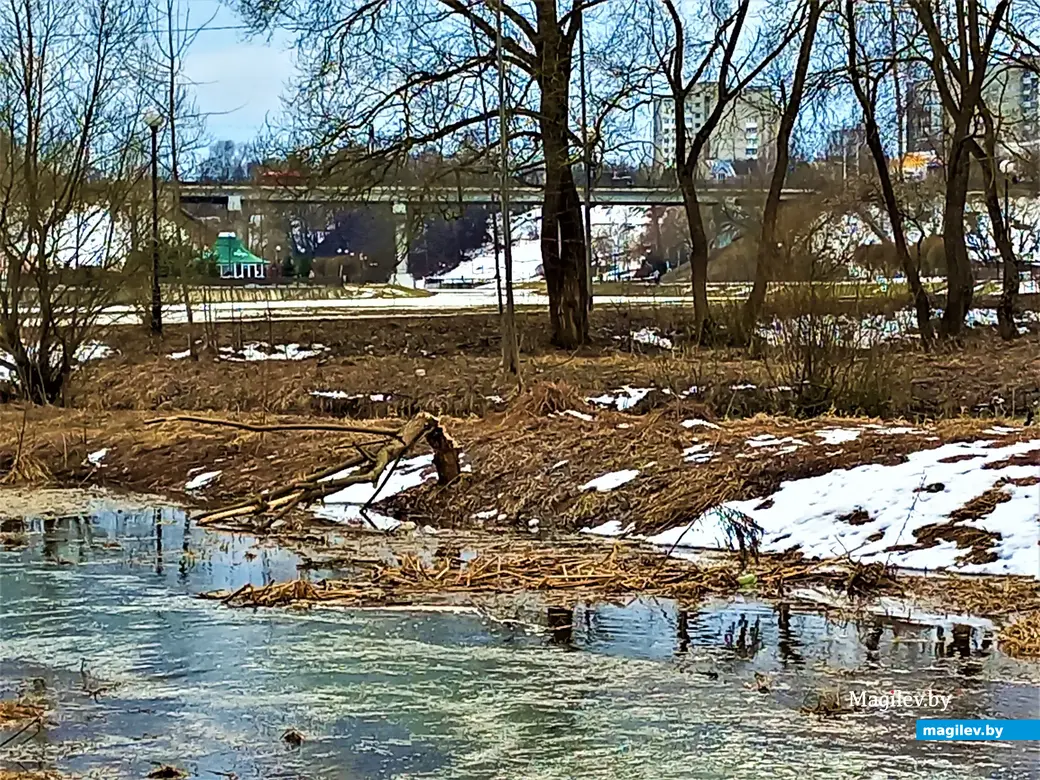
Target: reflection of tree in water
column 683, row 632
column 14, row 533
column 872, row 641
column 787, row 642
column 744, row 639
column 187, row 558
column 61, row 532
column 157, row 521
column 597, row 628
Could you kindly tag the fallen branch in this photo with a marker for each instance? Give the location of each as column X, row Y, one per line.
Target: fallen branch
column 280, row 501
column 332, row 427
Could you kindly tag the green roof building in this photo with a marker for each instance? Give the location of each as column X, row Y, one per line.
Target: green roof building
column 235, row 261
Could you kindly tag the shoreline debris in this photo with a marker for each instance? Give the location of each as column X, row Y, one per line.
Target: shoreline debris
column 278, row 502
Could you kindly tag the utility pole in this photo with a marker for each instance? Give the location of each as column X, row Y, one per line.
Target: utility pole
column 154, row 120
column 510, row 347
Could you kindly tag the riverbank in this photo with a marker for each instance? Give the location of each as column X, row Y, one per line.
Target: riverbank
column 951, row 498
column 639, row 446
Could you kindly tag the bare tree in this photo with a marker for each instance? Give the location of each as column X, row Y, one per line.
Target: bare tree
column 959, row 60
column 173, row 35
column 688, row 54
column 70, row 124
column 986, row 154
column 867, row 71
column 792, row 104
column 415, row 72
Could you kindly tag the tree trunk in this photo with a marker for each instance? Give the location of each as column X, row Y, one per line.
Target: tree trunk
column 960, row 280
column 698, row 256
column 767, row 242
column 922, row 305
column 563, row 241
column 1001, row 235
column 39, row 382
column 1008, row 294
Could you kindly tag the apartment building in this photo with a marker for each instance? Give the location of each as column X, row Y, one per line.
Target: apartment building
column 1011, row 93
column 746, row 130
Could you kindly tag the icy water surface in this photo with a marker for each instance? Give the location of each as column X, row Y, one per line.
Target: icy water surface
column 99, row 611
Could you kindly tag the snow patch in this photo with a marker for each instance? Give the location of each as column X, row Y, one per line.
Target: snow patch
column 610, row 481
column 769, row 440
column 201, row 480
column 652, row 338
column 609, row 528
column 257, row 351
column 703, row 423
column 834, row 436
column 92, row 350
column 579, row 415
column 807, row 512
column 622, row 399
column 95, row 459
column 344, row 506
column 698, row 453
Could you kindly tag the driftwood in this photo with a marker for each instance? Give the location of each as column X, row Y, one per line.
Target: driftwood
column 364, row 466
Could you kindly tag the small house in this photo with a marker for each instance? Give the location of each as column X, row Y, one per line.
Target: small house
column 234, row 261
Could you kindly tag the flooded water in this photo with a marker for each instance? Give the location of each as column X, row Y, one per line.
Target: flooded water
column 99, row 617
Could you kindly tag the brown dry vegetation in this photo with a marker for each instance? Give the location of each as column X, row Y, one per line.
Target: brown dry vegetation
column 527, row 462
column 563, row 572
column 528, row 455
column 450, row 365
column 1022, row 638
column 17, row 712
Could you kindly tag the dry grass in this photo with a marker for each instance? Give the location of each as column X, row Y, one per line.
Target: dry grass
column 527, row 462
column 1022, row 638
column 1001, row 598
column 28, row 774
column 564, row 571
column 18, row 712
column 457, row 360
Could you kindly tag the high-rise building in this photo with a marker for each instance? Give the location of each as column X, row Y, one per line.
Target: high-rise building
column 746, row 131
column 924, row 116
column 1012, row 94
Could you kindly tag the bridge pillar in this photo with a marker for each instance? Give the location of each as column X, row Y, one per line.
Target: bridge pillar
column 401, row 276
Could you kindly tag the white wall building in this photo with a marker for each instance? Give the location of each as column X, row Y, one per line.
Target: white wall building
column 746, row 131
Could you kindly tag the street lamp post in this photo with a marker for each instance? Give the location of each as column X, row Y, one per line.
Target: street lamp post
column 1007, row 167
column 153, row 119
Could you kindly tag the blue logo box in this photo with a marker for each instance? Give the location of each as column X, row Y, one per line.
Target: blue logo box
column 978, row 730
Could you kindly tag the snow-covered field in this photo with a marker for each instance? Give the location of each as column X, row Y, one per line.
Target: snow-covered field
column 616, row 230
column 864, row 511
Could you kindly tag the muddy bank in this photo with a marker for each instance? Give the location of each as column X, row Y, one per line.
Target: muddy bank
column 529, row 460
column 551, row 464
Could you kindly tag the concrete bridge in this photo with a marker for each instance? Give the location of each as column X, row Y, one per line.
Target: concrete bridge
column 614, row 195
column 236, row 206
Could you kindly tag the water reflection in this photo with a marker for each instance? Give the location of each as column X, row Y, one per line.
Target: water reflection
column 140, row 671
